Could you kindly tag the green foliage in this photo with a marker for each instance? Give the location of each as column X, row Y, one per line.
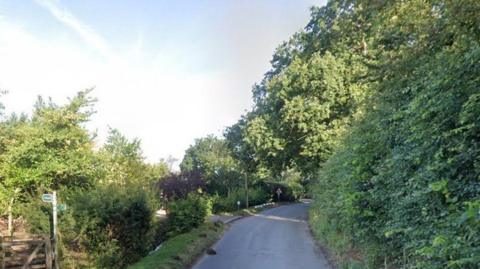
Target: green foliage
column 293, row 185
column 310, row 96
column 37, row 214
column 305, row 109
column 188, row 213
column 211, row 157
column 405, row 179
column 49, row 150
column 241, row 151
column 124, row 163
column 112, row 224
column 256, row 196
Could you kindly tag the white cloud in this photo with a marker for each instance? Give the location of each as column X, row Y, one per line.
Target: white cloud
column 88, row 34
column 29, row 66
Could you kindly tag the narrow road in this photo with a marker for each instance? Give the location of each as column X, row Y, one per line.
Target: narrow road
column 278, row 238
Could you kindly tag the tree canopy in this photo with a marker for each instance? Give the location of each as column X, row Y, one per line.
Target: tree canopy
column 211, row 157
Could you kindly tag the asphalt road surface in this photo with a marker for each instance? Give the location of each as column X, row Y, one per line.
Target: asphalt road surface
column 278, row 238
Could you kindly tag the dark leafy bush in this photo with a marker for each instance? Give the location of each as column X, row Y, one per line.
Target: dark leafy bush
column 178, row 186
column 190, row 212
column 257, row 196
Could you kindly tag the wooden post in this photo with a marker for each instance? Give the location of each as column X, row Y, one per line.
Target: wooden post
column 55, row 237
column 4, row 250
column 48, row 253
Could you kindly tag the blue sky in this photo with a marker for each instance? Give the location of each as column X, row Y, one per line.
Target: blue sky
column 166, row 72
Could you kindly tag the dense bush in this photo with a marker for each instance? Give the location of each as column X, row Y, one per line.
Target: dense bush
column 112, row 224
column 408, row 177
column 403, row 186
column 256, row 196
column 190, row 212
column 261, row 193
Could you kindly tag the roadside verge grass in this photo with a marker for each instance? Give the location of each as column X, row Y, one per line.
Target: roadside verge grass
column 181, row 251
column 335, row 244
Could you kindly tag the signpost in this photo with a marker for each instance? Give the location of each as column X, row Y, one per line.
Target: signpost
column 47, row 197
column 52, row 198
column 61, row 207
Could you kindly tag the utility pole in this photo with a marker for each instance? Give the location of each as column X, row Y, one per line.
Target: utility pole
column 246, row 191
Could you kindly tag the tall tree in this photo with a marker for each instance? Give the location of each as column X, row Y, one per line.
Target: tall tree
column 211, row 157
column 124, row 162
column 47, row 151
column 51, row 149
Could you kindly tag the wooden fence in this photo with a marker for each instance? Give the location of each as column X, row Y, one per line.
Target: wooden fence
column 30, row 253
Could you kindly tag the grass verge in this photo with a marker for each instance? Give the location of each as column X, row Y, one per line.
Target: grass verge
column 182, row 250
column 339, row 249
